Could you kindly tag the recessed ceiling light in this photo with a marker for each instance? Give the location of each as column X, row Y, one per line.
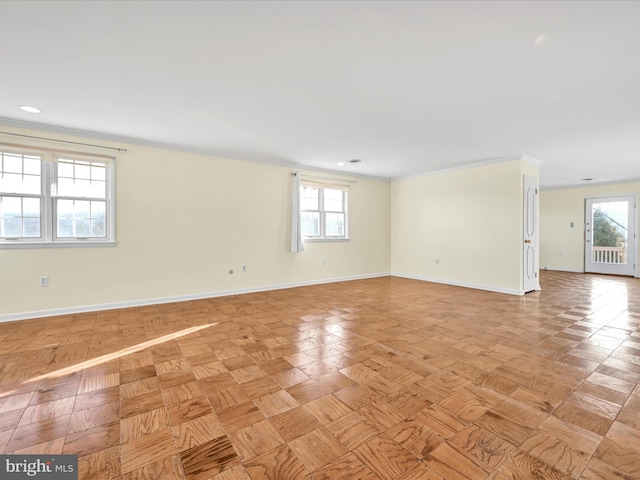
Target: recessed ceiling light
column 355, row 160
column 29, row 109
column 340, row 164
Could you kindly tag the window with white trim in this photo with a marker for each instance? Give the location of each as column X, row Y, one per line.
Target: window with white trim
column 324, row 211
column 50, row 198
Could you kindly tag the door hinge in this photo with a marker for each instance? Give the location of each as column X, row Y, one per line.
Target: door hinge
column 536, row 274
column 536, row 191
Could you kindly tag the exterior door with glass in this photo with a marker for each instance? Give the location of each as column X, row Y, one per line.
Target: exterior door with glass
column 610, row 235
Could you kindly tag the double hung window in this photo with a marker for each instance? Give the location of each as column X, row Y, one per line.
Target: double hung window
column 324, row 211
column 21, row 196
column 49, row 198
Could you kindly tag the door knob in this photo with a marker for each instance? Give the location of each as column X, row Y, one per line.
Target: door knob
column 527, row 241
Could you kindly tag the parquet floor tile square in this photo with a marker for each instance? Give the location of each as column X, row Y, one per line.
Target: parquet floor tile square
column 277, row 464
column 327, row 409
column 317, row 448
column 102, row 465
column 93, row 439
column 552, row 451
column 146, row 449
column 197, row 431
column 416, row 437
column 377, row 379
column 255, row 440
column 275, row 403
column 90, row 418
column 346, row 467
column 204, row 461
column 294, row 423
column 352, row 430
column 396, row 462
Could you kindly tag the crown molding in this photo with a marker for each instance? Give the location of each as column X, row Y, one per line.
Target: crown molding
column 466, row 166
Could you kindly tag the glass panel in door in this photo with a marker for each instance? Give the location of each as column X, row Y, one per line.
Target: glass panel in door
column 610, row 235
column 610, row 232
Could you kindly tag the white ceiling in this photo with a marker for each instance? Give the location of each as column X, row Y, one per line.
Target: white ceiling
column 407, row 87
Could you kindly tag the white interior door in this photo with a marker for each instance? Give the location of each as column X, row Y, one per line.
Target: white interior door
column 530, row 201
column 610, row 235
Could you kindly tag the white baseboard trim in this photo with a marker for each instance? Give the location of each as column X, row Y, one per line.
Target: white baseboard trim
column 562, row 269
column 570, row 270
column 487, row 288
column 11, row 317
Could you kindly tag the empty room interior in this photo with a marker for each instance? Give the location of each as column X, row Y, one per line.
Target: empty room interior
column 285, row 240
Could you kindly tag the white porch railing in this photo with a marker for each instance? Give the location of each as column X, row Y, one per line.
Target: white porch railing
column 609, row 254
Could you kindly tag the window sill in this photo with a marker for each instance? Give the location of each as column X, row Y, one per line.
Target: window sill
column 322, row 240
column 77, row 244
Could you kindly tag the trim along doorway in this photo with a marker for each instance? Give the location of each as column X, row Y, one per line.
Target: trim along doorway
column 610, row 235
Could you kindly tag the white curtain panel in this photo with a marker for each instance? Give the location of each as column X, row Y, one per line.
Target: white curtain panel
column 296, row 231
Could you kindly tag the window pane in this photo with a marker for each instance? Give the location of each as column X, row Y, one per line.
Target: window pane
column 82, row 171
column 82, row 227
column 65, row 169
column 334, row 224
column 11, row 207
column 31, row 207
column 65, row 228
column 97, row 189
column 308, row 198
column 333, row 200
column 97, row 209
column 98, row 172
column 98, row 228
column 65, row 186
column 31, row 184
column 11, row 227
column 310, row 223
column 6, row 184
column 11, row 183
column 32, row 165
column 65, row 208
column 81, row 208
column 32, row 227
column 82, row 188
column 12, row 163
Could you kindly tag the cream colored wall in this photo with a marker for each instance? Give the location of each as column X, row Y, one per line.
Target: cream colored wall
column 562, row 247
column 183, row 221
column 471, row 220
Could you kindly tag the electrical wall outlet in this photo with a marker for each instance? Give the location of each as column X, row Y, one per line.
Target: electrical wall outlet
column 437, row 261
column 324, row 262
column 44, row 281
column 244, row 269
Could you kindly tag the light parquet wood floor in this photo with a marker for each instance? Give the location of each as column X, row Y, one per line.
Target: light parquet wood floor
column 385, row 378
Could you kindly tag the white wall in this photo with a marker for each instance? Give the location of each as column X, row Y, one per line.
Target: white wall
column 183, row 221
column 561, row 246
column 471, row 220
